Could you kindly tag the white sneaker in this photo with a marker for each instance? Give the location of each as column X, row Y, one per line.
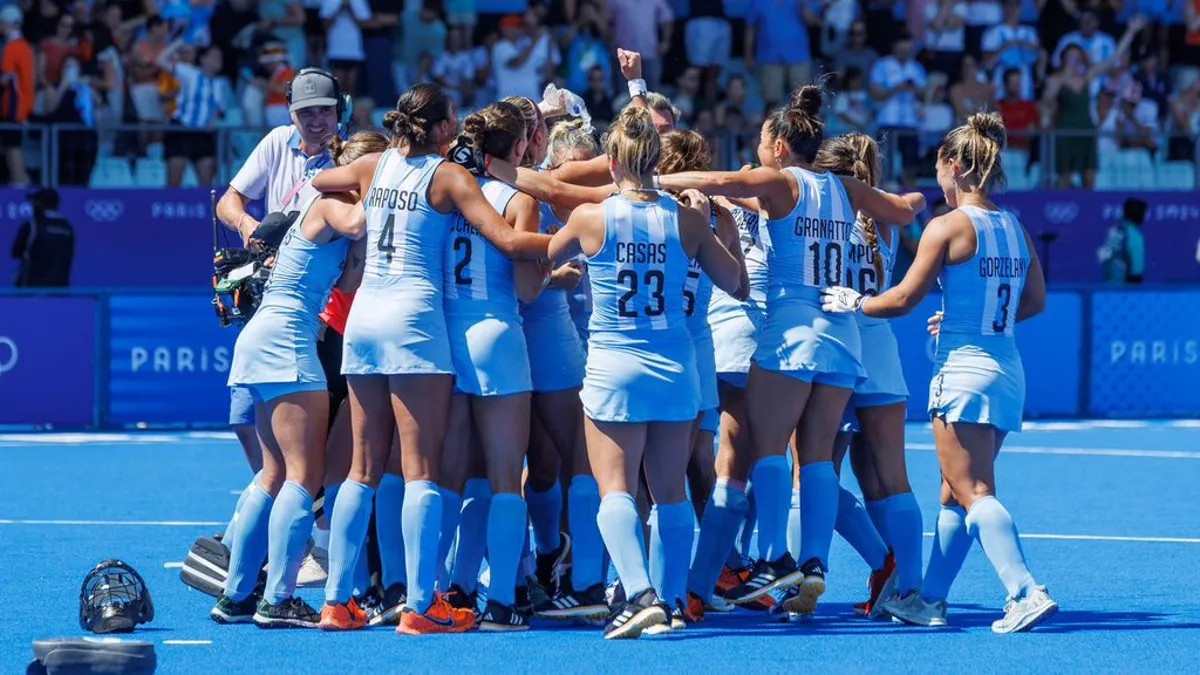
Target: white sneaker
column 719, row 604
column 314, row 571
column 1022, row 615
column 914, row 610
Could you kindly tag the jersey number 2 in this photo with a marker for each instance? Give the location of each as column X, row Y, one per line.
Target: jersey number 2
column 462, row 245
column 630, row 279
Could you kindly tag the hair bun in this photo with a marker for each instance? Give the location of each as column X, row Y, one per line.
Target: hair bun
column 807, row 99
column 394, row 118
column 989, row 125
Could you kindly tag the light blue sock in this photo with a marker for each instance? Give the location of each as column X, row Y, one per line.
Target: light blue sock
column 621, row 529
column 818, row 510
column 793, row 525
column 746, row 537
column 587, row 548
column 726, row 510
column 951, row 543
column 875, row 512
column 229, row 528
column 451, row 514
column 855, row 526
column 248, row 547
column 772, row 483
column 505, row 521
column 902, row 519
column 672, row 530
column 362, row 570
column 545, row 513
column 990, row 523
column 472, row 534
column 389, row 531
column 422, row 521
column 331, row 493
column 347, row 534
column 290, row 524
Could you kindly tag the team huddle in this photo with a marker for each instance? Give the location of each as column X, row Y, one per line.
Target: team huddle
column 559, row 355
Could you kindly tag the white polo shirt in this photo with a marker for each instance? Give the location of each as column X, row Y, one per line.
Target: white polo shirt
column 279, row 171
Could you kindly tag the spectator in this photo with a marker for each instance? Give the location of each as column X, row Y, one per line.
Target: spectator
column 424, row 33
column 736, row 98
column 856, row 54
column 644, row 26
column 597, row 98
column 1153, row 80
column 362, row 116
column 1097, row 45
column 852, row 107
column 972, row 93
column 454, row 70
column 314, row 32
column 1127, row 121
column 274, row 60
column 1012, row 46
column 880, row 17
column 110, row 80
column 777, row 41
column 981, row 15
column 190, row 19
column 461, row 14
column 523, row 57
column 945, row 33
column 144, row 71
column 200, row 104
column 936, row 119
column 896, row 82
column 73, row 102
column 838, row 18
column 423, row 74
column 344, row 20
column 42, row 20
column 1021, row 115
column 687, row 94
column 708, row 38
column 1123, row 255
column 16, row 101
column 285, row 18
column 45, row 244
column 1184, row 124
column 53, row 51
column 587, row 48
column 379, row 37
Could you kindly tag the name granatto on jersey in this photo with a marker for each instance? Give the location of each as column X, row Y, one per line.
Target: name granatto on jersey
column 1003, row 268
column 823, row 228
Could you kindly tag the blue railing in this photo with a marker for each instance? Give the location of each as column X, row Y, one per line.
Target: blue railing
column 111, row 358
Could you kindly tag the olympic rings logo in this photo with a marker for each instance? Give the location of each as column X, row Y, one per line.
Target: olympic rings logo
column 104, row 210
column 8, row 364
column 1061, row 212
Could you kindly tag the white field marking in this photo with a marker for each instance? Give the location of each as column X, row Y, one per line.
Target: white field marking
column 1092, row 452
column 52, row 438
column 1104, row 537
column 187, row 642
column 172, row 565
column 236, row 493
column 1184, row 424
column 102, row 523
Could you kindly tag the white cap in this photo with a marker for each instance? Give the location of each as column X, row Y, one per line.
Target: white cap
column 11, row 14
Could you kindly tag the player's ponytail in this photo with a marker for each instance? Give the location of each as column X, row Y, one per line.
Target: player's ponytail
column 855, row 155
column 418, row 110
column 799, row 124
column 684, row 151
column 361, row 143
column 633, row 143
column 495, row 130
column 977, row 146
column 535, row 126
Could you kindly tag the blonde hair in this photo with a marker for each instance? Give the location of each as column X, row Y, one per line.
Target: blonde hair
column 496, row 129
column 633, row 143
column 855, row 155
column 684, row 151
column 361, row 143
column 977, row 147
column 571, row 136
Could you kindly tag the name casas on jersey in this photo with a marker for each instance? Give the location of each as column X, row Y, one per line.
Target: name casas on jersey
column 641, row 252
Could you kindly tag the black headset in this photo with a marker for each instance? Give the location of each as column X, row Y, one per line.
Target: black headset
column 345, row 105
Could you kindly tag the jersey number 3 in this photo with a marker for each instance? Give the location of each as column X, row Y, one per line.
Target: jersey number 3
column 652, row 278
column 1003, row 298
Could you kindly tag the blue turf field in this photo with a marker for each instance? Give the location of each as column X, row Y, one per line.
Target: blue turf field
column 1108, row 511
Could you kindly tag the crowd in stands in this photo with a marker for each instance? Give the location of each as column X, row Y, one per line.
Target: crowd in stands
column 1125, row 70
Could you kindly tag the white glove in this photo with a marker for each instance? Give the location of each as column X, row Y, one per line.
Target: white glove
column 841, row 300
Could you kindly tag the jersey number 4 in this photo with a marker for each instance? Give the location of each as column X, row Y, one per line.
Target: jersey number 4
column 652, row 278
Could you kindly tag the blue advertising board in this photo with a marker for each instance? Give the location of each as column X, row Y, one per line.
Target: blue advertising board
column 1145, row 358
column 1051, row 349
column 168, row 360
column 47, row 360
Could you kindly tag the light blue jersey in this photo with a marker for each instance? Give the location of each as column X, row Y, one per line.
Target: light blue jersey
column 641, row 363
column 807, row 250
column 735, row 323
column 550, row 331
column 978, row 376
column 279, row 344
column 869, row 271
column 397, row 324
column 478, row 278
column 487, row 344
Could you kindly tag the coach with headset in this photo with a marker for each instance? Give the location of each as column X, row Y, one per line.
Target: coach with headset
column 280, row 170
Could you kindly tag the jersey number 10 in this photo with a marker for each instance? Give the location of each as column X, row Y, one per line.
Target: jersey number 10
column 832, row 263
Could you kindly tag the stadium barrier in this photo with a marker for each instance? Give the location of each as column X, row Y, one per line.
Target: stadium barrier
column 110, row 358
